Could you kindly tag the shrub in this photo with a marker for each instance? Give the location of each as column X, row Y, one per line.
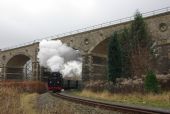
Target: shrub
column 151, row 83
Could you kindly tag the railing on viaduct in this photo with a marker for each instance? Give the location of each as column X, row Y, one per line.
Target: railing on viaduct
column 118, row 21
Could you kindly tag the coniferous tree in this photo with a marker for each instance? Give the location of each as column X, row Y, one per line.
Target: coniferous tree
column 134, row 48
column 139, row 36
column 126, row 51
column 140, row 44
column 151, row 83
column 114, row 58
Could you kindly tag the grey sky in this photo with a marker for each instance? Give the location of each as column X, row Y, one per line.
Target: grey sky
column 27, row 20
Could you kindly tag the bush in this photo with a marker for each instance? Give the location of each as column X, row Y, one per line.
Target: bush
column 151, row 83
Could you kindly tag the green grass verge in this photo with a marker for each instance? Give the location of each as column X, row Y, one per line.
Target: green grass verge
column 161, row 100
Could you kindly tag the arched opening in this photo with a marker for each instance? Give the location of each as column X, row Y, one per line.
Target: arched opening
column 101, row 48
column 99, row 60
column 19, row 67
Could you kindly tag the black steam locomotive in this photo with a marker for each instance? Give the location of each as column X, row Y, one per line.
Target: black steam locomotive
column 57, row 83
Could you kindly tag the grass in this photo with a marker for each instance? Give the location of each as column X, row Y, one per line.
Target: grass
column 28, row 102
column 21, row 98
column 10, row 101
column 18, row 97
column 15, row 100
column 161, row 100
column 25, row 86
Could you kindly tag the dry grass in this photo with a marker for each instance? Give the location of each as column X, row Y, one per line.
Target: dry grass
column 28, row 103
column 25, row 86
column 13, row 101
column 155, row 100
column 10, row 101
column 21, row 98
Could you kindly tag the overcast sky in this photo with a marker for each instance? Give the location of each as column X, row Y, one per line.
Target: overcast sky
column 27, row 20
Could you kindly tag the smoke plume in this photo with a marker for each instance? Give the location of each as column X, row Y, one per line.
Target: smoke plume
column 58, row 57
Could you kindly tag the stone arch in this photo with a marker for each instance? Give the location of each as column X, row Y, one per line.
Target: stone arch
column 17, row 53
column 97, row 61
column 98, row 43
column 15, row 66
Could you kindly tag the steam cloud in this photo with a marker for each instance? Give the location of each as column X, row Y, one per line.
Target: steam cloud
column 58, row 57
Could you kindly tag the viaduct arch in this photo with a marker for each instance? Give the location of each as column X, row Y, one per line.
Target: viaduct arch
column 15, row 66
column 93, row 47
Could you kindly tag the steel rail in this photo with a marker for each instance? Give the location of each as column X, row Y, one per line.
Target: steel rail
column 111, row 106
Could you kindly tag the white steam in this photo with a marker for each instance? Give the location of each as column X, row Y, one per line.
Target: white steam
column 58, row 57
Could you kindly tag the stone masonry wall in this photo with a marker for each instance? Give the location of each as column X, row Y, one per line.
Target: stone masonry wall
column 93, row 47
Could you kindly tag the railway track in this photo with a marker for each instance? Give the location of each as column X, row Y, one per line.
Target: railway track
column 110, row 106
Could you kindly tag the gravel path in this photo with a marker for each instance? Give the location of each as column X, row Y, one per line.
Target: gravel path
column 48, row 104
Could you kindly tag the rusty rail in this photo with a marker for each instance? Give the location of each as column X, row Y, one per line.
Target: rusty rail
column 111, row 106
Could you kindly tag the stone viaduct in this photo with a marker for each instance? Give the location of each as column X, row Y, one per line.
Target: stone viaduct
column 92, row 44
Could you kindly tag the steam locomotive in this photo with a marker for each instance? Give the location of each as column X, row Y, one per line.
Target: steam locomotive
column 57, row 83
